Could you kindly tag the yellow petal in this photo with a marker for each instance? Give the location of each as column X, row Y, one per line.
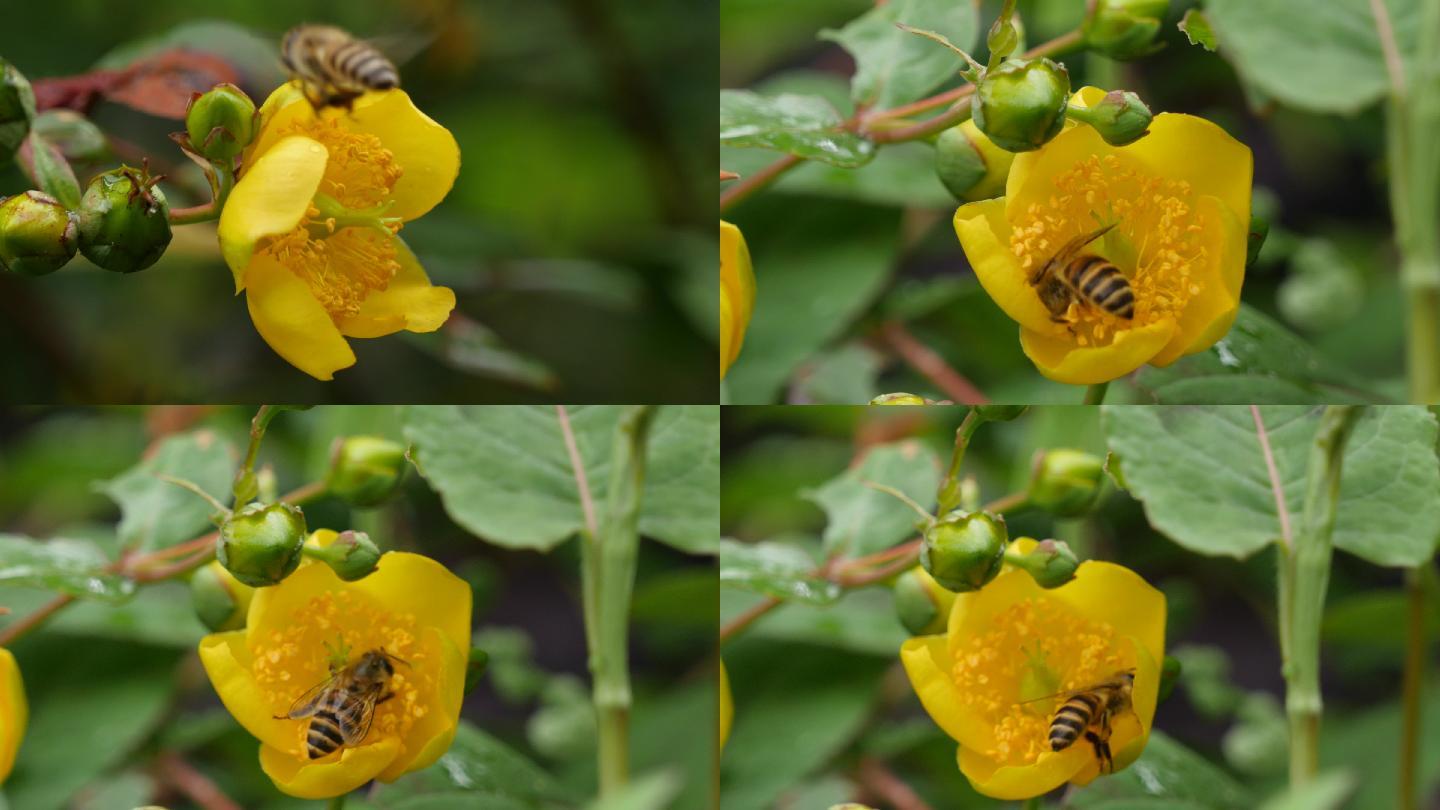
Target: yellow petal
column 289, row 318
column 985, row 234
column 432, row 733
column 227, row 661
column 1116, row 595
column 14, row 712
column 270, row 200
column 414, row 584
column 1087, row 96
column 928, row 663
column 330, row 776
column 737, row 293
column 1198, row 152
column 1051, row 770
column 727, row 705
column 1209, row 314
column 285, row 108
column 1032, row 174
column 409, row 302
column 425, row 151
column 1062, row 360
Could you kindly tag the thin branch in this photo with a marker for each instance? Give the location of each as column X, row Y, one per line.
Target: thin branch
column 880, row 781
column 748, row 618
column 31, row 621
column 757, row 181
column 1276, row 488
column 196, row 786
column 1394, row 66
column 577, row 465
column 926, row 361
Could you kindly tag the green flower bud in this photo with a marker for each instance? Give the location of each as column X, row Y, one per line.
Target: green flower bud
column 1051, row 563
column 970, row 165
column 898, row 399
column 351, row 555
column 17, row 110
column 221, row 122
column 999, row 413
column 365, row 470
column 1255, row 240
column 964, row 550
column 261, row 543
column 1120, row 118
column 221, row 601
column 37, row 234
column 1124, row 29
column 124, row 220
column 1065, row 482
column 922, row 606
column 1020, row 105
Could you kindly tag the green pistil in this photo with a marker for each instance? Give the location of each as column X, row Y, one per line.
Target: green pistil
column 334, row 217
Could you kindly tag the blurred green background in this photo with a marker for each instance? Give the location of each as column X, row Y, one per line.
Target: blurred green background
column 825, row 682
column 838, row 253
column 116, row 690
column 578, row 238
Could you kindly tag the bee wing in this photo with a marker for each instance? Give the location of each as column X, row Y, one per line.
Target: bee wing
column 361, row 709
column 309, row 703
column 1073, row 247
column 1069, row 693
column 401, row 47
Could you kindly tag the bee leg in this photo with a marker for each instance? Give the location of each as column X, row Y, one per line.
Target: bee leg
column 1102, row 752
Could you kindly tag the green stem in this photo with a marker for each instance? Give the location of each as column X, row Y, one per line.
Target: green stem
column 608, row 558
column 246, row 487
column 1309, row 576
column 222, row 182
column 1417, row 648
column 337, row 803
column 1095, row 394
column 1032, row 803
column 949, row 495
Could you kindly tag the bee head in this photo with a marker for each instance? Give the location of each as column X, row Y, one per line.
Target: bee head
column 374, row 666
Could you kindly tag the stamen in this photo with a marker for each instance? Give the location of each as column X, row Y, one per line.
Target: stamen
column 1032, row 642
column 1156, row 240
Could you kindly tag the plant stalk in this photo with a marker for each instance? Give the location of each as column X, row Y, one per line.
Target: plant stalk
column 608, row 559
column 1418, row 582
column 948, row 497
column 1308, row 577
column 1095, row 394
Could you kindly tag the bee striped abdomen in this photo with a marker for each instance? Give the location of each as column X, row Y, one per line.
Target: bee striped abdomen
column 362, row 64
column 1101, row 283
column 1072, row 719
column 324, row 735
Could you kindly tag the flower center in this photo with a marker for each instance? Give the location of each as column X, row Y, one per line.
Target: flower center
column 288, row 662
column 343, row 248
column 1155, row 242
column 1033, row 649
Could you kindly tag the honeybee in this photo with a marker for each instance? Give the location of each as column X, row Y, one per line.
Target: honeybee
column 342, row 707
column 334, row 67
column 1088, row 711
column 1070, row 275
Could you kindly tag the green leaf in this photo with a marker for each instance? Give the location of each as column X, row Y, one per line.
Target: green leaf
column 82, row 724
column 862, row 622
column 73, row 134
column 1166, row 775
column 1257, row 362
column 808, row 292
column 1323, row 57
column 862, row 520
column 472, row 347
column 805, row 126
column 155, row 513
column 901, row 175
column 1200, row 473
column 797, row 708
column 893, row 67
column 504, row 474
column 649, row 792
column 51, row 172
column 1197, row 29
column 774, row 569
column 1328, row 791
column 72, row 567
column 158, row 614
column 1323, row 290
column 480, row 765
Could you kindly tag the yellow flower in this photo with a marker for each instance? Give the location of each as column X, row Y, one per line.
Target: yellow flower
column 14, row 712
column 1180, row 202
column 727, row 705
column 737, row 293
column 1013, row 641
column 411, row 606
column 310, row 228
